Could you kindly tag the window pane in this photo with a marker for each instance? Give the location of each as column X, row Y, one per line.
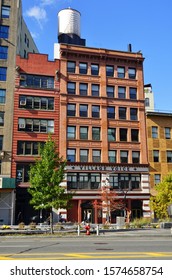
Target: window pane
column 83, row 110
column 95, row 90
column 5, row 12
column 122, row 113
column 2, row 95
column 3, row 73
column 123, row 134
column 94, row 69
column 71, row 66
column 111, row 134
column 95, row 111
column 111, row 112
column 110, row 91
column 4, row 31
column 71, row 110
column 83, row 132
column 121, row 72
column 3, row 52
column 121, row 92
column 96, row 133
column 71, row 88
column 131, row 73
column 82, row 68
column 133, row 93
column 71, row 132
column 83, row 89
column 109, row 71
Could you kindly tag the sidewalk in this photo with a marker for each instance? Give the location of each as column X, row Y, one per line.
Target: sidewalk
column 144, row 232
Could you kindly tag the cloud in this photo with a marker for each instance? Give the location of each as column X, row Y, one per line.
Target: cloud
column 38, row 13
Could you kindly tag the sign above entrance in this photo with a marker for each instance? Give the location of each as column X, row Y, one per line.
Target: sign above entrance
column 99, row 168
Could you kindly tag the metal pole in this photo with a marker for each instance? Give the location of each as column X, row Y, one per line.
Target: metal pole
column 98, row 232
column 78, row 230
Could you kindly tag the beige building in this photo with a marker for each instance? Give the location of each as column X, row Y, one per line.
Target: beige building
column 14, row 39
column 159, row 135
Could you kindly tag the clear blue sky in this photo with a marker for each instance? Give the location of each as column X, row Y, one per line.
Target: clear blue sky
column 111, row 24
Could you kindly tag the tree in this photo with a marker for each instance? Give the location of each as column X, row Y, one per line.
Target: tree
column 163, row 198
column 109, row 202
column 45, row 177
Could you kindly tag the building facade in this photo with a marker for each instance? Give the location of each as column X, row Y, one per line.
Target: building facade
column 14, row 38
column 159, row 135
column 36, row 114
column 103, row 129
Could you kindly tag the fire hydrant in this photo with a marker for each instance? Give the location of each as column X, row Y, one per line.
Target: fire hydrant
column 87, row 227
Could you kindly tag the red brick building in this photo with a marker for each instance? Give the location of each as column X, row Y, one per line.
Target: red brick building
column 102, row 130
column 36, row 113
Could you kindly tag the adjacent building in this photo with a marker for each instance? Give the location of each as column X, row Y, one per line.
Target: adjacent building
column 36, row 114
column 159, row 135
column 14, row 38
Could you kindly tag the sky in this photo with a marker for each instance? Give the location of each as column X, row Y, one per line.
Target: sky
column 111, row 24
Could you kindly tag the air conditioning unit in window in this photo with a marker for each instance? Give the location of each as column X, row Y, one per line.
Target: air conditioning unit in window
column 22, row 125
column 22, row 77
column 23, row 102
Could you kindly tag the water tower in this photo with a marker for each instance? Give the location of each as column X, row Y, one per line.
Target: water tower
column 69, row 27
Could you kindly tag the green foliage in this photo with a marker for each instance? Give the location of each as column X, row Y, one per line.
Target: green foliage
column 163, row 199
column 46, row 175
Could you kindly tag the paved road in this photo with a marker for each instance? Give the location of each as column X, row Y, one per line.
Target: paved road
column 122, row 245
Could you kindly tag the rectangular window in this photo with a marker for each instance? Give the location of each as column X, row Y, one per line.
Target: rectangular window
column 135, row 181
column 157, row 178
column 72, row 180
column 96, row 156
column 1, row 142
column 5, row 12
column 71, row 132
column 84, row 133
column 83, row 88
column 135, row 157
column 71, row 66
column 83, row 181
column 134, row 135
column 71, row 110
column 109, row 71
column 3, row 52
column 35, row 102
column 83, row 68
column 95, row 69
column 95, row 180
column 121, row 92
column 156, row 156
column 95, row 90
column 36, row 125
column 3, row 73
column 122, row 113
column 131, row 73
column 114, row 181
column 83, row 155
column 22, row 172
column 110, row 91
column 133, row 93
column 83, row 111
column 154, row 132
column 36, row 81
column 124, row 181
column 112, row 156
column 111, row 134
column 133, row 114
column 1, row 118
column 147, row 102
column 167, row 133
column 4, row 31
column 121, row 72
column 96, row 133
column 123, row 134
column 111, row 112
column 71, row 155
column 95, row 111
column 169, row 156
column 2, row 96
column 71, row 88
